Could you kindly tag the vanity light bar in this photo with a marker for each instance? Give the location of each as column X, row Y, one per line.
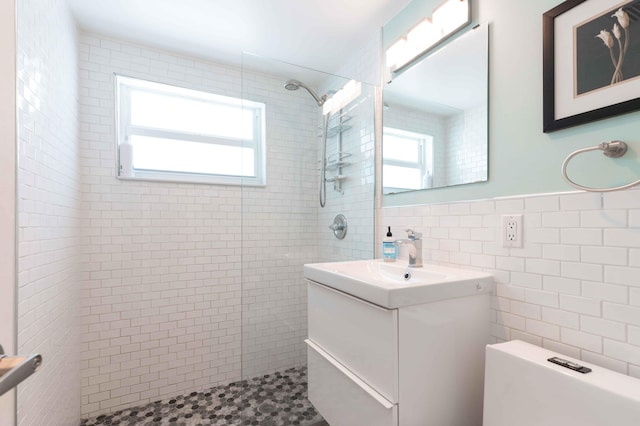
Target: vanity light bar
column 398, row 53
column 342, row 97
column 423, row 36
column 450, row 15
column 446, row 19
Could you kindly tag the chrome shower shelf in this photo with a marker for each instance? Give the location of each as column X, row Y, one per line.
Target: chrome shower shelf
column 336, row 165
column 336, row 125
column 342, row 118
column 336, row 161
column 336, row 130
column 338, row 156
column 336, row 178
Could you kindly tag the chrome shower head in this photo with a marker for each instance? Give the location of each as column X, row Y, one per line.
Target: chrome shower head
column 293, row 84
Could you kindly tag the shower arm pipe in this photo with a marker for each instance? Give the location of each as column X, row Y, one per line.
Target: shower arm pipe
column 293, row 84
column 613, row 149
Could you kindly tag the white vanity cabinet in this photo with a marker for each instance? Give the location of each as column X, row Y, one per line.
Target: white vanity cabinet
column 416, row 365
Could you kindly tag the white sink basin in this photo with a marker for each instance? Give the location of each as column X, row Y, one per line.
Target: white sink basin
column 393, row 284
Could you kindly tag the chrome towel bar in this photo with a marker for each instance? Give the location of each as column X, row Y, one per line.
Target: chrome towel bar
column 613, row 149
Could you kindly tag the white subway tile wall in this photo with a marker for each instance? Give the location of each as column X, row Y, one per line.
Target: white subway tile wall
column 187, row 286
column 48, row 211
column 574, row 286
column 160, row 297
column 287, row 229
column 357, row 199
column 466, row 146
column 278, row 229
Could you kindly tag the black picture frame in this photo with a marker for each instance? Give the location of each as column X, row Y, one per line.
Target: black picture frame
column 605, row 108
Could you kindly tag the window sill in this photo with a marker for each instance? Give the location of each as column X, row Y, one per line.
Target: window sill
column 197, row 179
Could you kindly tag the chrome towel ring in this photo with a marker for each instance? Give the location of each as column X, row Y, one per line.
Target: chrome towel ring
column 613, row 149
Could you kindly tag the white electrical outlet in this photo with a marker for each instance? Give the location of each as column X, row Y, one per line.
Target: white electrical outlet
column 512, row 230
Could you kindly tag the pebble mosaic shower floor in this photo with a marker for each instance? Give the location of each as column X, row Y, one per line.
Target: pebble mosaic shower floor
column 278, row 399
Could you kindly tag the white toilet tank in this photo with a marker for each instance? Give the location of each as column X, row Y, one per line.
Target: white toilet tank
column 522, row 388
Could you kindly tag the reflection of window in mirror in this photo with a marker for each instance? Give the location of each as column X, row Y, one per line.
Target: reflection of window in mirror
column 445, row 95
column 407, row 160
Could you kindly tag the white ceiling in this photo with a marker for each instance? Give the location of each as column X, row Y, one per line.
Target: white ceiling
column 319, row 34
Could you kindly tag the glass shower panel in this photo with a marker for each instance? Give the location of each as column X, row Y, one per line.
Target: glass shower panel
column 284, row 227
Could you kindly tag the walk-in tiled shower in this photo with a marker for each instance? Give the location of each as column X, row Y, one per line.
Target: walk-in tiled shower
column 139, row 292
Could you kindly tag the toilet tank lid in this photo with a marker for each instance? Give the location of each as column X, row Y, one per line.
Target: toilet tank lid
column 600, row 377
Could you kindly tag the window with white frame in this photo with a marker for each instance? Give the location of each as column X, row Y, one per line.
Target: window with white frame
column 407, row 160
column 170, row 133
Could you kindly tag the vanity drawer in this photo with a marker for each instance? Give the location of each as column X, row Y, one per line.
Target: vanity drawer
column 361, row 336
column 341, row 397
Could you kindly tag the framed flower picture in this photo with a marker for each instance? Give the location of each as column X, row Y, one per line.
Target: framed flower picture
column 591, row 61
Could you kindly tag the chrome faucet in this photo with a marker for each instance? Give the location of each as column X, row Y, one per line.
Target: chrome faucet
column 414, row 242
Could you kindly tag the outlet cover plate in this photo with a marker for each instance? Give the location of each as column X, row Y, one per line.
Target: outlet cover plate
column 512, row 230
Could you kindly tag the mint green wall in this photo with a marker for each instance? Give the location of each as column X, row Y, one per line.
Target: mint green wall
column 523, row 159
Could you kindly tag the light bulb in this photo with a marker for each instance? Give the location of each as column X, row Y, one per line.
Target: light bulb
column 450, row 15
column 422, row 36
column 398, row 54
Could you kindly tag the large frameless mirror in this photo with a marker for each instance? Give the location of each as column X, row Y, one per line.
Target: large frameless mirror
column 435, row 131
